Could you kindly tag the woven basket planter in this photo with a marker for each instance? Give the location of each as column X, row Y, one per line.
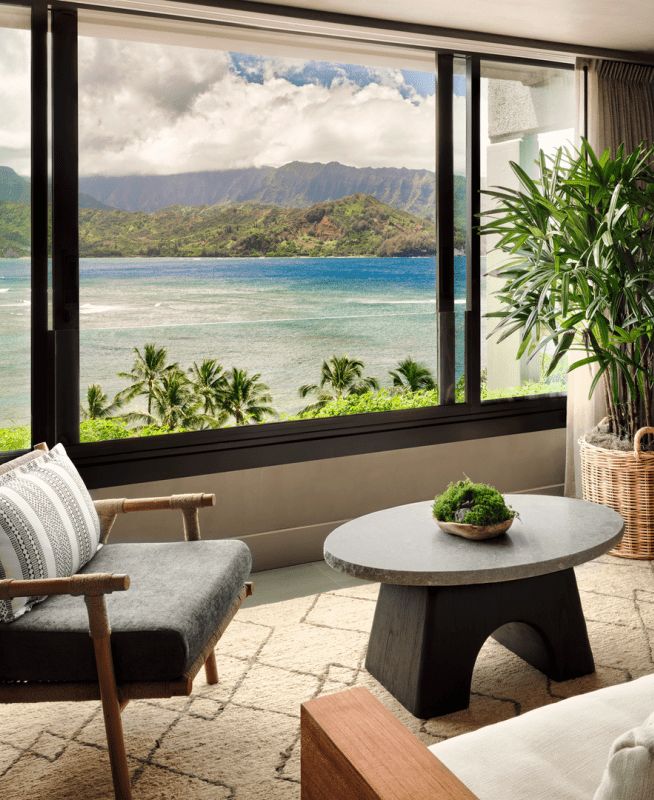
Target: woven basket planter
column 624, row 482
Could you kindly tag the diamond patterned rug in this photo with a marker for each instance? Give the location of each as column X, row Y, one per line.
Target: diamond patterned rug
column 239, row 740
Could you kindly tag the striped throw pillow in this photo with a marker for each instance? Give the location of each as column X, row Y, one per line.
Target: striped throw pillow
column 49, row 527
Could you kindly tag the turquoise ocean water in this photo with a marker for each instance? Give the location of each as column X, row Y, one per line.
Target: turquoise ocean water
column 278, row 317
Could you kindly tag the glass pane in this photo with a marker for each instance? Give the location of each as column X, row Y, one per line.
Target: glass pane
column 256, row 218
column 524, row 109
column 15, row 242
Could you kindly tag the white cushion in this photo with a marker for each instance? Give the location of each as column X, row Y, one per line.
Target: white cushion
column 557, row 752
column 629, row 775
column 48, row 524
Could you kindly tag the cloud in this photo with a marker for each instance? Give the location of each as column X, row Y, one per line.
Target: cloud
column 154, row 109
column 159, row 110
column 168, row 78
column 300, row 72
column 14, row 100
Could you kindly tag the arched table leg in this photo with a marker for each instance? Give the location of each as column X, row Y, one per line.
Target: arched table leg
column 425, row 639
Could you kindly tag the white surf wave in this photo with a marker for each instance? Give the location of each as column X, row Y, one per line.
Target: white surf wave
column 369, row 302
column 90, row 308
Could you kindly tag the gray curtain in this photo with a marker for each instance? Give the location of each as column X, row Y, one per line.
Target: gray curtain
column 615, row 104
column 620, row 103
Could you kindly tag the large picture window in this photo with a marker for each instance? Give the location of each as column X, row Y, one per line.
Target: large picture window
column 263, row 243
column 257, row 235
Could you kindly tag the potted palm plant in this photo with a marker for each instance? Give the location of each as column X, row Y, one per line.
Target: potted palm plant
column 580, row 277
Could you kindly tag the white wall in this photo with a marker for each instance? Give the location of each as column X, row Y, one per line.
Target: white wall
column 284, row 513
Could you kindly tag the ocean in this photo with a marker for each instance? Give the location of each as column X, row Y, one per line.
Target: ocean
column 274, row 316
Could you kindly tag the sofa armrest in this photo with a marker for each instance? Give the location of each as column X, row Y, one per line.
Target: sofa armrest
column 353, row 748
column 188, row 504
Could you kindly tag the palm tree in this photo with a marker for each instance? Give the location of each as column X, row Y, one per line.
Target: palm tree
column 174, row 403
column 96, row 404
column 244, row 397
column 208, row 380
column 340, row 377
column 411, row 376
column 148, row 368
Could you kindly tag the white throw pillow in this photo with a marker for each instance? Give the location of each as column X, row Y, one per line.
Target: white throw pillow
column 49, row 527
column 629, row 775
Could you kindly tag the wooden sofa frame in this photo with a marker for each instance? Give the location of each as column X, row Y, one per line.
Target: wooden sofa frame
column 353, row 748
column 93, row 587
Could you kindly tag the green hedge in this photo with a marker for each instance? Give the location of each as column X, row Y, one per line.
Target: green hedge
column 371, row 401
column 91, row 430
column 384, row 401
column 15, row 438
column 101, row 430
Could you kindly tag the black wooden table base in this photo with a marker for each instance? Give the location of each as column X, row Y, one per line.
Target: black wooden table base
column 425, row 639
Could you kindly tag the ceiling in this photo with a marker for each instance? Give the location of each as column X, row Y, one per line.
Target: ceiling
column 623, row 25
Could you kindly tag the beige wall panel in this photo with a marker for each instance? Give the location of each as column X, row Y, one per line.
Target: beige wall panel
column 285, row 512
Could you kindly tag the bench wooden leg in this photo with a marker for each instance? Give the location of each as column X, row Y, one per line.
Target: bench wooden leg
column 211, row 669
column 100, row 632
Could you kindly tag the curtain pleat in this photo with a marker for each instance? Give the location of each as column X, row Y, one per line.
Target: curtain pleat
column 618, row 101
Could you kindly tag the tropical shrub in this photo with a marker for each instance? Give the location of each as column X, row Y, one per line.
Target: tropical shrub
column 340, row 377
column 99, row 430
column 580, row 272
column 369, row 402
column 18, row 438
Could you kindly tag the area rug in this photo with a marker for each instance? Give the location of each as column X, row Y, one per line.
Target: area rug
column 239, row 740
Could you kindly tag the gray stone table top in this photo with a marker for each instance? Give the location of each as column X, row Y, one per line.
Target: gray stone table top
column 404, row 545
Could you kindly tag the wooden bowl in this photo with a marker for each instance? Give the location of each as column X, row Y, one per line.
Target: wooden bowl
column 474, row 531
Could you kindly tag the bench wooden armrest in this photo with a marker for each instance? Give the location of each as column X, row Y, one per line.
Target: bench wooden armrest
column 188, row 504
column 124, row 506
column 92, row 585
column 353, row 748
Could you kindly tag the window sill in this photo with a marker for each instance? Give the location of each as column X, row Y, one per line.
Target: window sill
column 179, row 455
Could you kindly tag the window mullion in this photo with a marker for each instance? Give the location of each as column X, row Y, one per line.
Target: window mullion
column 41, row 385
column 473, row 251
column 65, row 235
column 445, row 228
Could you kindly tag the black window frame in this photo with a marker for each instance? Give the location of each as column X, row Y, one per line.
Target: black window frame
column 55, row 347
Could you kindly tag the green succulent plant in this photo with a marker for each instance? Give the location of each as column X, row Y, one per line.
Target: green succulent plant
column 472, row 504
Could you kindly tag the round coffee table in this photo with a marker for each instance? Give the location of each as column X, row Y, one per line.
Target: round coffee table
column 442, row 596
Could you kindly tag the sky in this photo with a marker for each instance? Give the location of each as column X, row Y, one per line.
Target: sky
column 160, row 109
column 157, row 109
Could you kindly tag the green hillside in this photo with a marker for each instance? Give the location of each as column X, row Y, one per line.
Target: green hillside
column 14, row 229
column 13, row 187
column 353, row 226
column 297, row 209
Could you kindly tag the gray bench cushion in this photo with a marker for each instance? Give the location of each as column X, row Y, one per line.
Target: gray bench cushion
column 179, row 592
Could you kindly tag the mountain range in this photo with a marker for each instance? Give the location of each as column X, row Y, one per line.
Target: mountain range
column 15, row 189
column 294, row 185
column 253, row 193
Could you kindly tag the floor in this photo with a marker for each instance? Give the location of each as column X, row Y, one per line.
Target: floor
column 275, row 585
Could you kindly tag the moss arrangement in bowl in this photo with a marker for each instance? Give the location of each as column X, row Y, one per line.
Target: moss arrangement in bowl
column 472, row 510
